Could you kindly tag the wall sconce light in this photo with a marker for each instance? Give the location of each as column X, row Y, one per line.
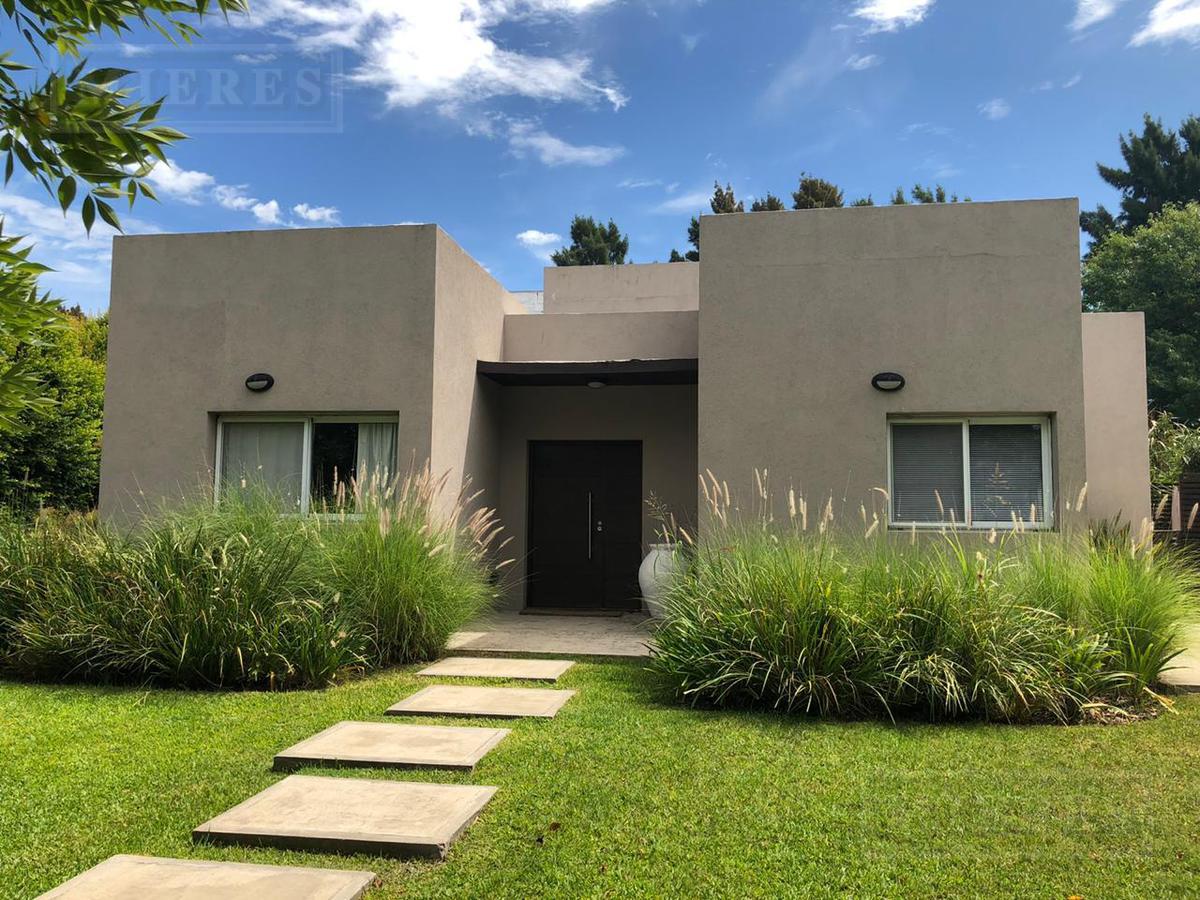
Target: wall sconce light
column 888, row 381
column 259, row 382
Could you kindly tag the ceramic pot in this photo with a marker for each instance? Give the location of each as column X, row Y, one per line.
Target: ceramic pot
column 654, row 573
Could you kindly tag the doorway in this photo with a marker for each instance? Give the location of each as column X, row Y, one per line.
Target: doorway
column 585, row 525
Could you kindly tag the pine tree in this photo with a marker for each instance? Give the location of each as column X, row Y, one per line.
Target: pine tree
column 593, row 244
column 922, row 194
column 1163, row 168
column 723, row 201
column 817, row 193
column 769, row 203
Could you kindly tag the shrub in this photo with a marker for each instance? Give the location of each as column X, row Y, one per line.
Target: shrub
column 236, row 595
column 1025, row 628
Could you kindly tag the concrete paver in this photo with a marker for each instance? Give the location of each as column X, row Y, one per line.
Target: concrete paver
column 511, row 632
column 498, row 667
column 148, row 878
column 492, row 702
column 351, row 815
column 386, row 745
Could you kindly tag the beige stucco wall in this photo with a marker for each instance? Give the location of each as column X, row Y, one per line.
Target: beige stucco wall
column 663, row 417
column 647, row 287
column 342, row 317
column 977, row 305
column 468, row 326
column 1114, row 394
column 588, row 337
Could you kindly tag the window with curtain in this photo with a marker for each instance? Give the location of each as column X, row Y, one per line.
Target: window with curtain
column 264, row 457
column 308, row 462
column 972, row 472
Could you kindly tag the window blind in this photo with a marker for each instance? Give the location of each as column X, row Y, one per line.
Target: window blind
column 1006, row 473
column 927, row 467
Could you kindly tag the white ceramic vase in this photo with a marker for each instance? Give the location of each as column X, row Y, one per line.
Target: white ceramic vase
column 654, row 573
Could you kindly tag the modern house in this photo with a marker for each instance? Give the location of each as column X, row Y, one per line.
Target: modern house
column 930, row 363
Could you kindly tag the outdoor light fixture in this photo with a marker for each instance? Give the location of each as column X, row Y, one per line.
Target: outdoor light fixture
column 597, row 383
column 888, row 381
column 259, row 382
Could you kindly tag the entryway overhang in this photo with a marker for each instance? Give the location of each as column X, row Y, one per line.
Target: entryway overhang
column 608, row 372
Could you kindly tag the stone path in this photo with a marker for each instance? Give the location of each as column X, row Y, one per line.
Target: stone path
column 146, row 878
column 498, row 667
column 352, row 815
column 489, row 702
column 385, row 746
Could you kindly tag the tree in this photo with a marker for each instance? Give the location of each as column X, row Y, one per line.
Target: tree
column 1163, row 167
column 1156, row 269
column 26, row 319
column 723, row 201
column 53, row 457
column 817, row 193
column 864, row 201
column 922, row 194
column 593, row 244
column 78, row 135
column 769, row 203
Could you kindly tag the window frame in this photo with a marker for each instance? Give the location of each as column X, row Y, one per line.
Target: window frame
column 1048, row 509
column 308, row 422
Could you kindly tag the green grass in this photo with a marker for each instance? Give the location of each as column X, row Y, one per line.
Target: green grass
column 628, row 794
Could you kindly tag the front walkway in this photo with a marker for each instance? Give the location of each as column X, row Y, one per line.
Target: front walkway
column 511, row 632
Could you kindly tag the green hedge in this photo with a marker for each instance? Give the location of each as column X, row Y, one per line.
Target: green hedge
column 239, row 596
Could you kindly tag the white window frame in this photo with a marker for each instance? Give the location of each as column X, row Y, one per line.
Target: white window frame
column 1048, row 511
column 309, row 421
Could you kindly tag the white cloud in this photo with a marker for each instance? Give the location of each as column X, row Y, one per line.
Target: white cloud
column 538, row 239
column 1089, row 12
column 926, row 128
column 235, row 197
column 891, row 15
column 181, row 184
column 859, row 62
column 443, row 53
column 525, row 138
column 267, row 213
column 1171, row 20
column 691, row 202
column 539, row 243
column 255, row 59
column 196, row 188
column 326, row 214
column 690, row 41
column 995, row 109
column 1049, row 85
column 635, row 183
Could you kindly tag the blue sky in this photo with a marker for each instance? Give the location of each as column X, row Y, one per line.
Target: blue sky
column 500, row 119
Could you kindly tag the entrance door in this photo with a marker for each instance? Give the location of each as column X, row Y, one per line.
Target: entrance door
column 585, row 524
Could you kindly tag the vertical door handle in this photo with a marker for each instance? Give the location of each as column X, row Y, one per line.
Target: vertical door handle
column 589, row 525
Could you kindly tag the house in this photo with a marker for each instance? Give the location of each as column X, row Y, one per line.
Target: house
column 937, row 353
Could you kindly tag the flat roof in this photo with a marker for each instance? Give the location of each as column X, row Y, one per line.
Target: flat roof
column 613, row 371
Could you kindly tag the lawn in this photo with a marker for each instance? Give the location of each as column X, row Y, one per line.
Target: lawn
column 626, row 794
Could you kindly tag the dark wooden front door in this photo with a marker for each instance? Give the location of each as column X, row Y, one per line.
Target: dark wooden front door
column 585, row 524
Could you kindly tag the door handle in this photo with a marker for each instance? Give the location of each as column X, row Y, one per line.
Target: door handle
column 589, row 525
